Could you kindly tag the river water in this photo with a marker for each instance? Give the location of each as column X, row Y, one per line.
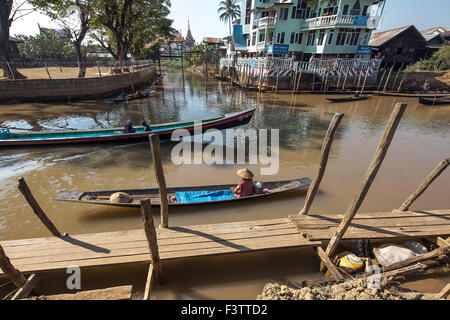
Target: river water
column 421, row 142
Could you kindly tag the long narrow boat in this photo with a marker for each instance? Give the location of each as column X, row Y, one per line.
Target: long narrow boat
column 165, row 130
column 434, row 102
column 413, row 95
column 103, row 197
column 131, row 97
column 350, row 99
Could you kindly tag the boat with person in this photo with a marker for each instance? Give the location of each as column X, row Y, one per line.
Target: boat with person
column 434, row 102
column 164, row 131
column 130, row 97
column 350, row 99
column 186, row 196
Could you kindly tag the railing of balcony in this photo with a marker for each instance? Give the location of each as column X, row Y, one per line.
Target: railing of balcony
column 267, row 22
column 325, row 21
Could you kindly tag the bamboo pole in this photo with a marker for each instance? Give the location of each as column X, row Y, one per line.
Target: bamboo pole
column 10, row 272
column 365, row 79
column 330, row 265
column 396, row 76
column 278, row 78
column 389, row 76
column 159, row 172
column 23, row 187
column 155, row 269
column 328, row 141
column 26, row 288
column 401, row 82
column 425, row 184
column 298, row 81
column 369, row 177
column 381, row 80
column 345, row 79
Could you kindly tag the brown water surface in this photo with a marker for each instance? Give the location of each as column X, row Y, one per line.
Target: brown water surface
column 421, row 142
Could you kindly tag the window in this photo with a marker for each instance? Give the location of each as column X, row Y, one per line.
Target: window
column 331, row 8
column 262, row 37
column 253, row 38
column 294, row 12
column 321, row 37
column 345, row 10
column 284, row 13
column 300, row 38
column 247, row 19
column 296, row 38
column 349, row 37
column 330, row 38
column 364, row 13
column 280, row 37
column 311, row 38
column 356, row 9
column 292, row 37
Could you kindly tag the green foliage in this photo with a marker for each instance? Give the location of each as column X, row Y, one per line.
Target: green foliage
column 48, row 47
column 228, row 11
column 175, row 64
column 201, row 53
column 440, row 60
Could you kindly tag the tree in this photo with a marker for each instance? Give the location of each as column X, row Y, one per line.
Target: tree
column 75, row 16
column 9, row 12
column 229, row 10
column 46, row 47
column 125, row 26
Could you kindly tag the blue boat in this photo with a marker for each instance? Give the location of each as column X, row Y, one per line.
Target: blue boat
column 131, row 97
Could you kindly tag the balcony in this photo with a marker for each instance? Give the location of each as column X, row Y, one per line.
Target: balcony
column 267, row 22
column 261, row 45
column 338, row 20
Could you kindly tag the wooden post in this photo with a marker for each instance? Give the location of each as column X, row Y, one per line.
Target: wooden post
column 371, row 173
column 365, row 79
column 159, row 172
column 99, row 70
column 425, row 184
column 278, row 78
column 23, row 187
column 159, row 64
column 329, row 264
column 155, row 270
column 11, row 71
column 381, row 80
column 323, row 162
column 388, row 77
column 298, row 81
column 444, row 293
column 10, row 272
column 26, row 288
column 396, row 76
column 313, row 86
column 401, row 82
column 48, row 73
column 345, row 79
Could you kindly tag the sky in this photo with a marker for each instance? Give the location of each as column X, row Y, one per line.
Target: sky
column 205, row 22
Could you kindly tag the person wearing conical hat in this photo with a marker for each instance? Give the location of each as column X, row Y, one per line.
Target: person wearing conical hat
column 129, row 127
column 245, row 188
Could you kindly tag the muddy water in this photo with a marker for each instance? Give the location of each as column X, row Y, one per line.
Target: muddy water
column 421, row 142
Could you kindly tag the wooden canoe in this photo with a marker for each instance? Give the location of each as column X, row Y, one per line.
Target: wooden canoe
column 102, row 197
column 413, row 95
column 165, row 130
column 434, row 102
column 131, row 97
column 350, row 99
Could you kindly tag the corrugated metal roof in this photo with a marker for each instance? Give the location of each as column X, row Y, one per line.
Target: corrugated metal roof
column 380, row 38
column 438, row 30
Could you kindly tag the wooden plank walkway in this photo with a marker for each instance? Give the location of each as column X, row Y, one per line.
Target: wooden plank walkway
column 124, row 247
column 382, row 225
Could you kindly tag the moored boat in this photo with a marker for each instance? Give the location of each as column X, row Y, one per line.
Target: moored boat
column 131, row 97
column 433, row 102
column 165, row 130
column 349, row 99
column 186, row 195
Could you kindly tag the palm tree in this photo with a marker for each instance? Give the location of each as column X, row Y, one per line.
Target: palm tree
column 229, row 10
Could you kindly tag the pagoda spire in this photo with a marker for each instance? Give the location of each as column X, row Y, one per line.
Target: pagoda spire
column 189, row 38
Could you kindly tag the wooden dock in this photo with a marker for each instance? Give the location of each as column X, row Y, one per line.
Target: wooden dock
column 125, row 247
column 128, row 247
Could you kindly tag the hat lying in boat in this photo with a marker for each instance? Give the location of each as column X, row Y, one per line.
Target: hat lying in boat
column 120, row 197
column 245, row 173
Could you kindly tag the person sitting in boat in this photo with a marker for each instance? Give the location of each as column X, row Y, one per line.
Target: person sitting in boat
column 138, row 93
column 426, row 85
column 356, row 94
column 122, row 96
column 129, row 127
column 245, row 188
column 146, row 126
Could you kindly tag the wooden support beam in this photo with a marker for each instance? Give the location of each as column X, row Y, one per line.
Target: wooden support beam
column 159, row 172
column 329, row 264
column 442, row 242
column 155, row 270
column 328, row 141
column 444, row 293
column 27, row 288
column 109, row 294
column 23, row 187
column 427, row 256
column 371, row 173
column 10, row 272
column 425, row 184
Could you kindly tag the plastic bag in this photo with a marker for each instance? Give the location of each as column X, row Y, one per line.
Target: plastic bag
column 389, row 254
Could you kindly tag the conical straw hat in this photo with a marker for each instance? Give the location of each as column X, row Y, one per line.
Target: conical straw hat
column 245, row 173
